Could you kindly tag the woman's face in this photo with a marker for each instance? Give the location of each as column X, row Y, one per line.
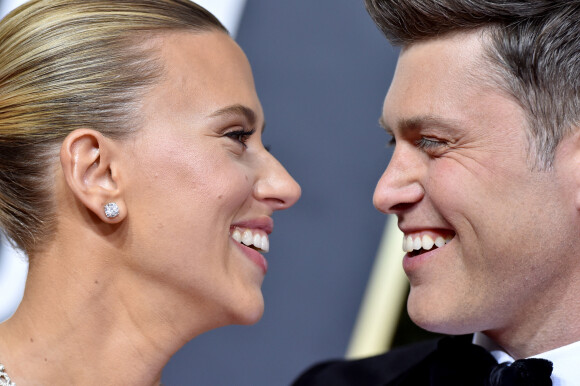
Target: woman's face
column 197, row 177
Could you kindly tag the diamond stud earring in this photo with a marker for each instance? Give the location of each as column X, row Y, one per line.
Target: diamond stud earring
column 111, row 210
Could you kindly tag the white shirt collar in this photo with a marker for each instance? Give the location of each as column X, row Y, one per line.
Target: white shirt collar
column 566, row 359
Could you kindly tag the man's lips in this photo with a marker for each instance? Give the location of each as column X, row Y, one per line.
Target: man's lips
column 416, row 243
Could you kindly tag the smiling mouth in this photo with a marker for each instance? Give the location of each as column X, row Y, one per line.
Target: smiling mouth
column 417, row 244
column 252, row 238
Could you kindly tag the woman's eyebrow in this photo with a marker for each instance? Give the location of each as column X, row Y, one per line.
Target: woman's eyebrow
column 239, row 109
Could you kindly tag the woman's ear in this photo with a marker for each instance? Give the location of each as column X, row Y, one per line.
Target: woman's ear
column 88, row 163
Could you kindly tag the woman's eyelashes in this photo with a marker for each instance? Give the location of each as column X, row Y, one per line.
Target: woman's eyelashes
column 241, row 136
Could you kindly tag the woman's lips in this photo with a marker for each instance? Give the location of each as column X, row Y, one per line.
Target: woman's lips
column 256, row 238
column 254, row 255
column 252, row 238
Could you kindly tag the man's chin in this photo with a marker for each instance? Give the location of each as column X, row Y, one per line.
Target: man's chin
column 434, row 317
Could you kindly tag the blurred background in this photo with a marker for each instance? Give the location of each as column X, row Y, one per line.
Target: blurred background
column 322, row 70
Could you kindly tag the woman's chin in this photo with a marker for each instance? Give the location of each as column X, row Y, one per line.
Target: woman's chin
column 250, row 319
column 250, row 313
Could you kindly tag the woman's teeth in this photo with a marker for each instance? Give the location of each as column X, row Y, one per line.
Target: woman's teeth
column 425, row 242
column 252, row 239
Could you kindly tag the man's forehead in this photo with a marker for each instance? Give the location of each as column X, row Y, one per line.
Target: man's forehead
column 460, row 54
column 433, row 77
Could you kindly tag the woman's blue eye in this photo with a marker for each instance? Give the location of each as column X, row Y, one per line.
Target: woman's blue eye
column 240, row 136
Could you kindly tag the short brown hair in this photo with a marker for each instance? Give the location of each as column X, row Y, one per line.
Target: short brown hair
column 68, row 64
column 534, row 48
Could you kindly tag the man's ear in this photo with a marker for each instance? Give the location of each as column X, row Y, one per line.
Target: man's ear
column 88, row 164
column 567, row 160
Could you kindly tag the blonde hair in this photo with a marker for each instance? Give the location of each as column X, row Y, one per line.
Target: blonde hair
column 64, row 65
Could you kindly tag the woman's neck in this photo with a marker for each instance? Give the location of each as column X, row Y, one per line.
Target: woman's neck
column 95, row 325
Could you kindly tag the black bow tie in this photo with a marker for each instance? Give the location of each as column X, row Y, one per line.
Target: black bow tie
column 529, row 372
column 459, row 362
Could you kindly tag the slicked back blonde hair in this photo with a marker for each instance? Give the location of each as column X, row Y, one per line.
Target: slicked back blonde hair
column 69, row 64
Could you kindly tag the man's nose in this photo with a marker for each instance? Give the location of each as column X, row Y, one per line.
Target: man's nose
column 399, row 188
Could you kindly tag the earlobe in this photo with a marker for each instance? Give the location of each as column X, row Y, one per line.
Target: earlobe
column 88, row 164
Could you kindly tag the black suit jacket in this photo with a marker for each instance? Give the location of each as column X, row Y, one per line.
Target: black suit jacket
column 451, row 361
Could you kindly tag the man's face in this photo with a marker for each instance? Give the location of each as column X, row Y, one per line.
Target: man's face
column 461, row 171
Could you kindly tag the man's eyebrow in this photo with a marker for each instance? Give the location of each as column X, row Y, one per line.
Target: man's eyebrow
column 419, row 122
column 432, row 121
column 236, row 110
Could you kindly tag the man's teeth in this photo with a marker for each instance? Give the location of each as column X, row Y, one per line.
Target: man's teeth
column 426, row 242
column 249, row 238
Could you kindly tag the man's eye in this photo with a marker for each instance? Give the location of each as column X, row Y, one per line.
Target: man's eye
column 240, row 136
column 428, row 143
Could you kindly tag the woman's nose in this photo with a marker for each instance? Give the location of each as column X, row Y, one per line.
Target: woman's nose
column 399, row 187
column 276, row 186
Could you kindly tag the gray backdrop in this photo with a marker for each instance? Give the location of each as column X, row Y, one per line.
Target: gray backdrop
column 322, row 70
